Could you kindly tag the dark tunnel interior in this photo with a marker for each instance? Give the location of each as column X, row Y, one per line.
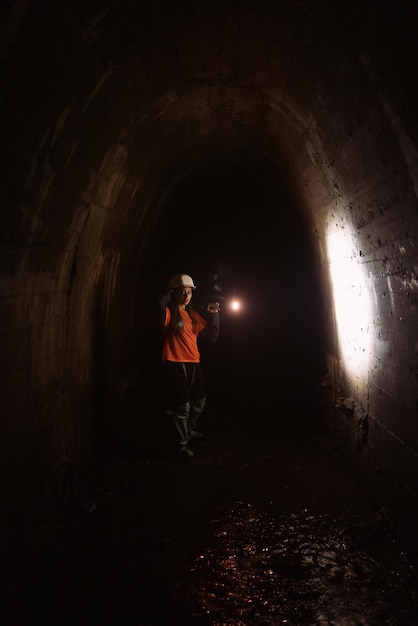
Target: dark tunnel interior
column 269, row 150
column 235, row 227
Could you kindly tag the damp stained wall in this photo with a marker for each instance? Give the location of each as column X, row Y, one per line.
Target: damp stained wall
column 107, row 105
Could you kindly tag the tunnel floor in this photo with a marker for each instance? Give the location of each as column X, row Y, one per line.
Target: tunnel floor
column 261, row 529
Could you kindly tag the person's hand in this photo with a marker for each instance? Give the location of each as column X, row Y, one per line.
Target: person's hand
column 213, row 307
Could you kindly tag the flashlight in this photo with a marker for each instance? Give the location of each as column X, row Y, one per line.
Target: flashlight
column 235, row 305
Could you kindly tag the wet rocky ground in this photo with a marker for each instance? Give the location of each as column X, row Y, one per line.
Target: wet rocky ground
column 260, row 528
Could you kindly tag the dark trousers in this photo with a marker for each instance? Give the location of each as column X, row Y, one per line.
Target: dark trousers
column 185, row 396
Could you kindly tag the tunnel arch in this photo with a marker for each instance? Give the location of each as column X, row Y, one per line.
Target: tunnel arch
column 233, row 216
column 105, row 105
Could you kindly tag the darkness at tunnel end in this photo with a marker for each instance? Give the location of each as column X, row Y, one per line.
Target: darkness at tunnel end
column 235, row 226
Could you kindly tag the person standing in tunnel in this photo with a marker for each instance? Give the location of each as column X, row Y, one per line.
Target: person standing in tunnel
column 183, row 383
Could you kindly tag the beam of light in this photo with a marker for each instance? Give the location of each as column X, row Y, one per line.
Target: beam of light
column 352, row 297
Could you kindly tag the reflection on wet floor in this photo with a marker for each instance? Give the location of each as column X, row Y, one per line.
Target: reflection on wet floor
column 266, row 567
column 257, row 530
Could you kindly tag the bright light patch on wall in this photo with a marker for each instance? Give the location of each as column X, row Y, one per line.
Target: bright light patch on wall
column 352, row 302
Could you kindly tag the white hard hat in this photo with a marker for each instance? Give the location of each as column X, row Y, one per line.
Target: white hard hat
column 181, row 280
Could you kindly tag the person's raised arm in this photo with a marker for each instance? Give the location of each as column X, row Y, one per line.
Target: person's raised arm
column 211, row 330
column 164, row 301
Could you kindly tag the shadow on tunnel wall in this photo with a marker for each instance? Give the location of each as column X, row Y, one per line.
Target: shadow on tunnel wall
column 234, row 226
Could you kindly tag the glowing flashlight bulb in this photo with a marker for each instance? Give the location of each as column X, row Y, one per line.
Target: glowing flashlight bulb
column 235, row 305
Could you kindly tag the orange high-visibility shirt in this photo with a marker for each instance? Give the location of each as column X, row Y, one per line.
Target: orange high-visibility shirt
column 182, row 347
